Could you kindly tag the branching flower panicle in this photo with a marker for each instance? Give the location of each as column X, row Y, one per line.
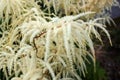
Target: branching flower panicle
column 51, row 41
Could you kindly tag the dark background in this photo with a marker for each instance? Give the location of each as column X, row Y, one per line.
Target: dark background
column 109, row 56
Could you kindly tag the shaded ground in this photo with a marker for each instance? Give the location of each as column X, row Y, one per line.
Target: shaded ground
column 109, row 56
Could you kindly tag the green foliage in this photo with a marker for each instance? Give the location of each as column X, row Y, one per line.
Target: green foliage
column 98, row 74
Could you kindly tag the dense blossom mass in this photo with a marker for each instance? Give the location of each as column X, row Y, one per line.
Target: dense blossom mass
column 50, row 39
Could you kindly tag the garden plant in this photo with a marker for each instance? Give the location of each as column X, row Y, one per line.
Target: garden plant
column 50, row 39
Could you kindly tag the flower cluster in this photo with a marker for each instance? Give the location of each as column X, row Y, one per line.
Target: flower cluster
column 37, row 42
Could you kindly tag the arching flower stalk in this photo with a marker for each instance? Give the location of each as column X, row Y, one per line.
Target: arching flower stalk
column 38, row 46
column 12, row 9
column 69, row 7
column 56, row 46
